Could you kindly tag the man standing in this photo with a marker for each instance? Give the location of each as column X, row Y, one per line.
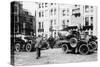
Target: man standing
column 51, row 41
column 38, row 46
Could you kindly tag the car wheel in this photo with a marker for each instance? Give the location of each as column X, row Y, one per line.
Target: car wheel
column 92, row 46
column 65, row 48
column 28, row 47
column 17, row 47
column 73, row 42
column 83, row 49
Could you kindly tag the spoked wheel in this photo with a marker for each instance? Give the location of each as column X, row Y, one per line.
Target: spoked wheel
column 92, row 46
column 83, row 49
column 28, row 47
column 17, row 47
column 73, row 42
column 65, row 48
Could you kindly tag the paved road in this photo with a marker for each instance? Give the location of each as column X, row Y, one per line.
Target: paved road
column 51, row 56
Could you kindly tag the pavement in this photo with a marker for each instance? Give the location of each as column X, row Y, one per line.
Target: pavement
column 51, row 56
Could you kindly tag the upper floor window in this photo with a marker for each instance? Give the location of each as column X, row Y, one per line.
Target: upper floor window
column 42, row 24
column 39, row 25
column 55, row 21
column 86, row 21
column 86, row 8
column 51, row 3
column 39, row 5
column 91, row 19
column 63, row 23
column 39, row 14
column 51, row 22
column 45, row 4
column 51, row 11
column 64, row 12
column 67, row 20
column 17, row 28
column 55, row 11
column 91, row 8
column 15, row 9
column 42, row 13
column 42, row 5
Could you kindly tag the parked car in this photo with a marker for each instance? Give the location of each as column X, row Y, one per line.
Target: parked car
column 23, row 43
column 78, row 43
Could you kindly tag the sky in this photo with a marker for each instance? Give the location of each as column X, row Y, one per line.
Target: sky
column 30, row 6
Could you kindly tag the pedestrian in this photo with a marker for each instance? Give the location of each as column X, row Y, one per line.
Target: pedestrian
column 38, row 46
column 51, row 41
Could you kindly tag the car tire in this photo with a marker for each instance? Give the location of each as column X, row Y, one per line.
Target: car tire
column 73, row 42
column 92, row 46
column 17, row 47
column 65, row 48
column 28, row 47
column 83, row 49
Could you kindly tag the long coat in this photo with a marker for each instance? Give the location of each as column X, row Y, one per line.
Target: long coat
column 38, row 42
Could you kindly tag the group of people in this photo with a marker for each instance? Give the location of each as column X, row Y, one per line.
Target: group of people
column 38, row 44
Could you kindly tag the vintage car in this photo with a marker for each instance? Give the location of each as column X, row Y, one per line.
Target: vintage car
column 23, row 43
column 78, row 43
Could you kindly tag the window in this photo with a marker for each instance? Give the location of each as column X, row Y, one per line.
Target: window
column 42, row 5
column 86, row 8
column 15, row 9
column 63, row 12
column 55, row 11
column 23, row 25
column 39, row 25
column 16, row 28
column 51, row 3
column 39, row 5
column 39, row 14
column 91, row 8
column 67, row 20
column 45, row 4
column 86, row 21
column 16, row 18
column 42, row 13
column 51, row 22
column 51, row 11
column 91, row 19
column 63, row 23
column 42, row 25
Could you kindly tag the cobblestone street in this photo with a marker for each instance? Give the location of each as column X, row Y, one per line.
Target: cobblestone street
column 51, row 56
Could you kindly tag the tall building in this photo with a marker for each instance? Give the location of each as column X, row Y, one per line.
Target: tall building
column 65, row 12
column 16, row 9
column 52, row 18
column 46, row 19
column 22, row 21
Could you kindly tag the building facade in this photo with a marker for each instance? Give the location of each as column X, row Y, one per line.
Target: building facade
column 90, row 18
column 47, row 19
column 52, row 18
column 22, row 22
